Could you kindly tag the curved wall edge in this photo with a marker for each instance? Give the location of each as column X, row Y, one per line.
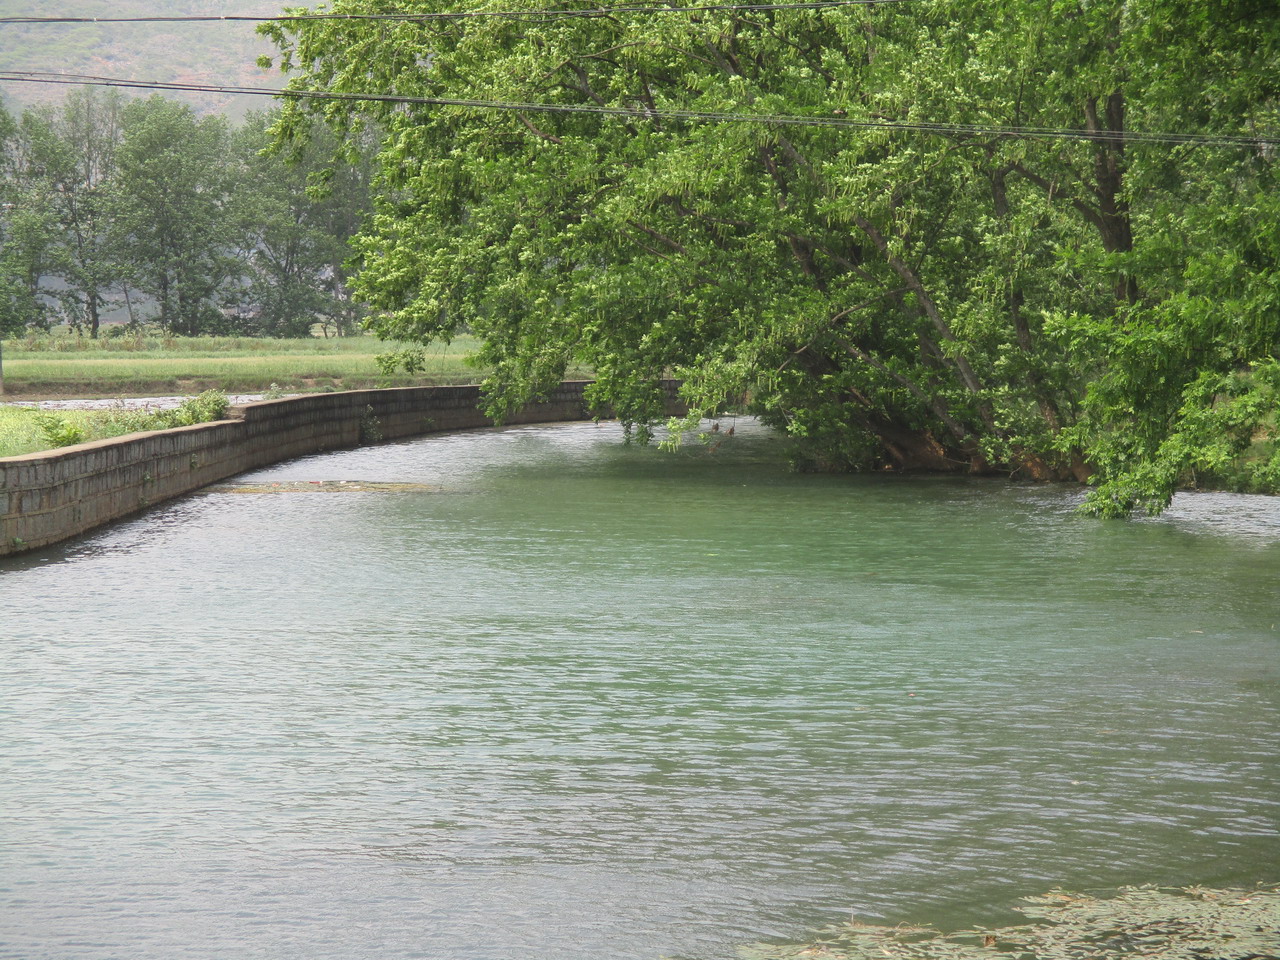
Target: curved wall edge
column 57, row 494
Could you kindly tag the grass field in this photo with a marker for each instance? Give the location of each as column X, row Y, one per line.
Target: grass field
column 30, row 429
column 63, row 366
column 60, row 366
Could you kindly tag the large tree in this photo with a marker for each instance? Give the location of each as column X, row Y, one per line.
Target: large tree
column 305, row 209
column 70, row 154
column 28, row 232
column 196, row 227
column 1030, row 287
column 10, row 284
column 179, row 216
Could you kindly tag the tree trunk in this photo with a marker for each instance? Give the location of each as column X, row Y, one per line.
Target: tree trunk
column 91, row 308
column 1115, row 227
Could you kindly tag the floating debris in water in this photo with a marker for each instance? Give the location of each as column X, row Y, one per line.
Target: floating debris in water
column 1192, row 923
column 323, row 486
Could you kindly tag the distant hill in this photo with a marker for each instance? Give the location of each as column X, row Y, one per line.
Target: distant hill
column 207, row 53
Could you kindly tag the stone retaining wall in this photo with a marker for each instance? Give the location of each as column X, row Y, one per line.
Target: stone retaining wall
column 50, row 496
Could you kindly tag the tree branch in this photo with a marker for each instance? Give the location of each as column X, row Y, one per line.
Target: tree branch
column 1052, row 190
column 934, row 403
column 550, row 137
column 916, row 286
column 660, row 237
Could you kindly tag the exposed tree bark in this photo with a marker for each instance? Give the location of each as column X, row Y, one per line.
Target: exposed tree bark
column 914, row 450
column 1115, row 227
column 91, row 309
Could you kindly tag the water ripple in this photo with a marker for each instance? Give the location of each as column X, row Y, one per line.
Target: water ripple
column 600, row 701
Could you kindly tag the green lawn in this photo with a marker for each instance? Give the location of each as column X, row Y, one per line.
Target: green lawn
column 63, row 366
column 30, row 429
column 69, row 366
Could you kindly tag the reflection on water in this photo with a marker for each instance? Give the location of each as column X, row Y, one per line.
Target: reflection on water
column 531, row 693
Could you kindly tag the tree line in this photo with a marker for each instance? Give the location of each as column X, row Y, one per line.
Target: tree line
column 1033, row 288
column 141, row 209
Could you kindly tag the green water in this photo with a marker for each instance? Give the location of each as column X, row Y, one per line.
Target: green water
column 580, row 700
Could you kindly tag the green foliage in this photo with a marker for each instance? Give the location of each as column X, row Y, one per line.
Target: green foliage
column 23, row 259
column 370, row 427
column 208, row 406
column 1220, row 419
column 178, row 214
column 67, row 179
column 108, row 204
column 29, row 430
column 410, row 360
column 960, row 301
column 11, row 315
column 1193, row 923
column 60, row 433
column 305, row 209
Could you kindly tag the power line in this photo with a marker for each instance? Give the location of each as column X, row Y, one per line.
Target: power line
column 464, row 15
column 695, row 116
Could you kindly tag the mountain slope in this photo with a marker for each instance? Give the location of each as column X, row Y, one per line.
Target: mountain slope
column 218, row 53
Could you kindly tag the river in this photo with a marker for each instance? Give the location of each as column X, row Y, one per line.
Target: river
column 557, row 698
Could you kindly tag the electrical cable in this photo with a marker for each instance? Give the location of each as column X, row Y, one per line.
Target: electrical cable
column 695, row 116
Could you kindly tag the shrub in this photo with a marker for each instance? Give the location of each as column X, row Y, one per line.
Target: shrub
column 59, row 432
